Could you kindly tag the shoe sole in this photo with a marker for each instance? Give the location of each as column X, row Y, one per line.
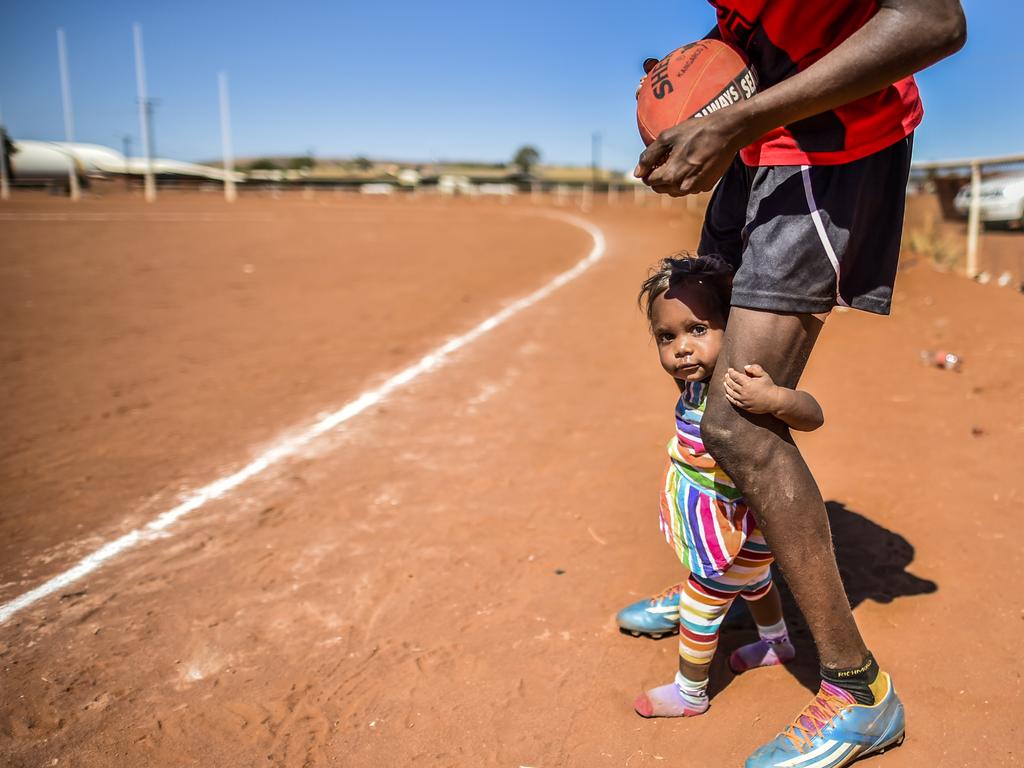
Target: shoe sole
column 652, row 635
column 891, row 744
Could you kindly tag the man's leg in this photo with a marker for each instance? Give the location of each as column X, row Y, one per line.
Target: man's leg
column 759, row 455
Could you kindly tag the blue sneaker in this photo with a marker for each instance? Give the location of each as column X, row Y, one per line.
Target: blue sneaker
column 654, row 616
column 833, row 731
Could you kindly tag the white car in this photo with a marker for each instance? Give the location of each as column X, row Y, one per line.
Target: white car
column 381, row 188
column 1002, row 200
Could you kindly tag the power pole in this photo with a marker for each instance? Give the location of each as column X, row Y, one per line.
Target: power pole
column 151, row 105
column 126, row 142
column 225, row 137
column 974, row 221
column 69, row 123
column 595, row 156
column 144, row 112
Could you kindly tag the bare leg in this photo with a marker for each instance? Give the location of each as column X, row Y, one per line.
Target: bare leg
column 767, row 610
column 692, row 671
column 773, row 646
column 759, row 455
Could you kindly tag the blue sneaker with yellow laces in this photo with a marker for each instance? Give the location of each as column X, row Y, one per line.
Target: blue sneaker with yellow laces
column 834, row 730
column 653, row 616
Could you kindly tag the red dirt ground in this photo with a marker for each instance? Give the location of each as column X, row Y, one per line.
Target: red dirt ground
column 393, row 596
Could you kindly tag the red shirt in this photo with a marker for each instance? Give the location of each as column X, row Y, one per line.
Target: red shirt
column 783, row 37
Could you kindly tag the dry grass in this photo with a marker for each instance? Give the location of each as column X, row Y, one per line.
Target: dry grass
column 927, row 235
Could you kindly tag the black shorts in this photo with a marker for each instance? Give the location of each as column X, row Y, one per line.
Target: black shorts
column 807, row 238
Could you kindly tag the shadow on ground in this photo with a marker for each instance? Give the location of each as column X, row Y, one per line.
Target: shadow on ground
column 872, row 562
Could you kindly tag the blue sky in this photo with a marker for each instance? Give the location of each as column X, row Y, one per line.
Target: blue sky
column 423, row 80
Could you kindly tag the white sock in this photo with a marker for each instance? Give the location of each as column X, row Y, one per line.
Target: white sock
column 694, row 693
column 774, row 633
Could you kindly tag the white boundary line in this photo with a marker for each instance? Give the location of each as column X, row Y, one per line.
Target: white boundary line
column 286, row 447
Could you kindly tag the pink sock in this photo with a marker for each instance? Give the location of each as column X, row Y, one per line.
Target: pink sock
column 680, row 698
column 773, row 648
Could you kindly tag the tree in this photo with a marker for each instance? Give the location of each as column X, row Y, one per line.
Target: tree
column 526, row 157
column 362, row 164
column 264, row 164
column 8, row 150
column 303, row 163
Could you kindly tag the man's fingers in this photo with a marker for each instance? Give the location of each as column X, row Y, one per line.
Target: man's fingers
column 663, row 186
column 660, row 171
column 650, row 159
column 697, row 184
column 754, row 370
column 649, row 64
column 675, row 179
column 666, row 175
column 667, row 189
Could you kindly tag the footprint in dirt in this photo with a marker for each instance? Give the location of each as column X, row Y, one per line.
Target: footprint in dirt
column 872, row 562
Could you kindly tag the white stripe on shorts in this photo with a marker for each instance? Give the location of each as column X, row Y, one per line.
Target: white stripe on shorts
column 812, row 205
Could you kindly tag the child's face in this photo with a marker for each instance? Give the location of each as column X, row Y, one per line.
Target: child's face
column 688, row 328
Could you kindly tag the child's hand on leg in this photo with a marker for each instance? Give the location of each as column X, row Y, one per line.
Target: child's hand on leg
column 752, row 389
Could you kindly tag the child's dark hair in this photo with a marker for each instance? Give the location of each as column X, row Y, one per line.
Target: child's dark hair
column 712, row 272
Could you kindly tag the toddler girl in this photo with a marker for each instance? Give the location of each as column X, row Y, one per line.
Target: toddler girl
column 703, row 515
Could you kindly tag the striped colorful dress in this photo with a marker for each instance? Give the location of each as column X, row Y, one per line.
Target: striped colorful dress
column 703, row 515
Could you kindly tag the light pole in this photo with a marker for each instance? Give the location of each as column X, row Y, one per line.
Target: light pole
column 225, row 137
column 69, row 123
column 144, row 112
column 126, row 142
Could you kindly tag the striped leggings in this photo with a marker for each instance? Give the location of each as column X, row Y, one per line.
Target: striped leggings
column 704, row 601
